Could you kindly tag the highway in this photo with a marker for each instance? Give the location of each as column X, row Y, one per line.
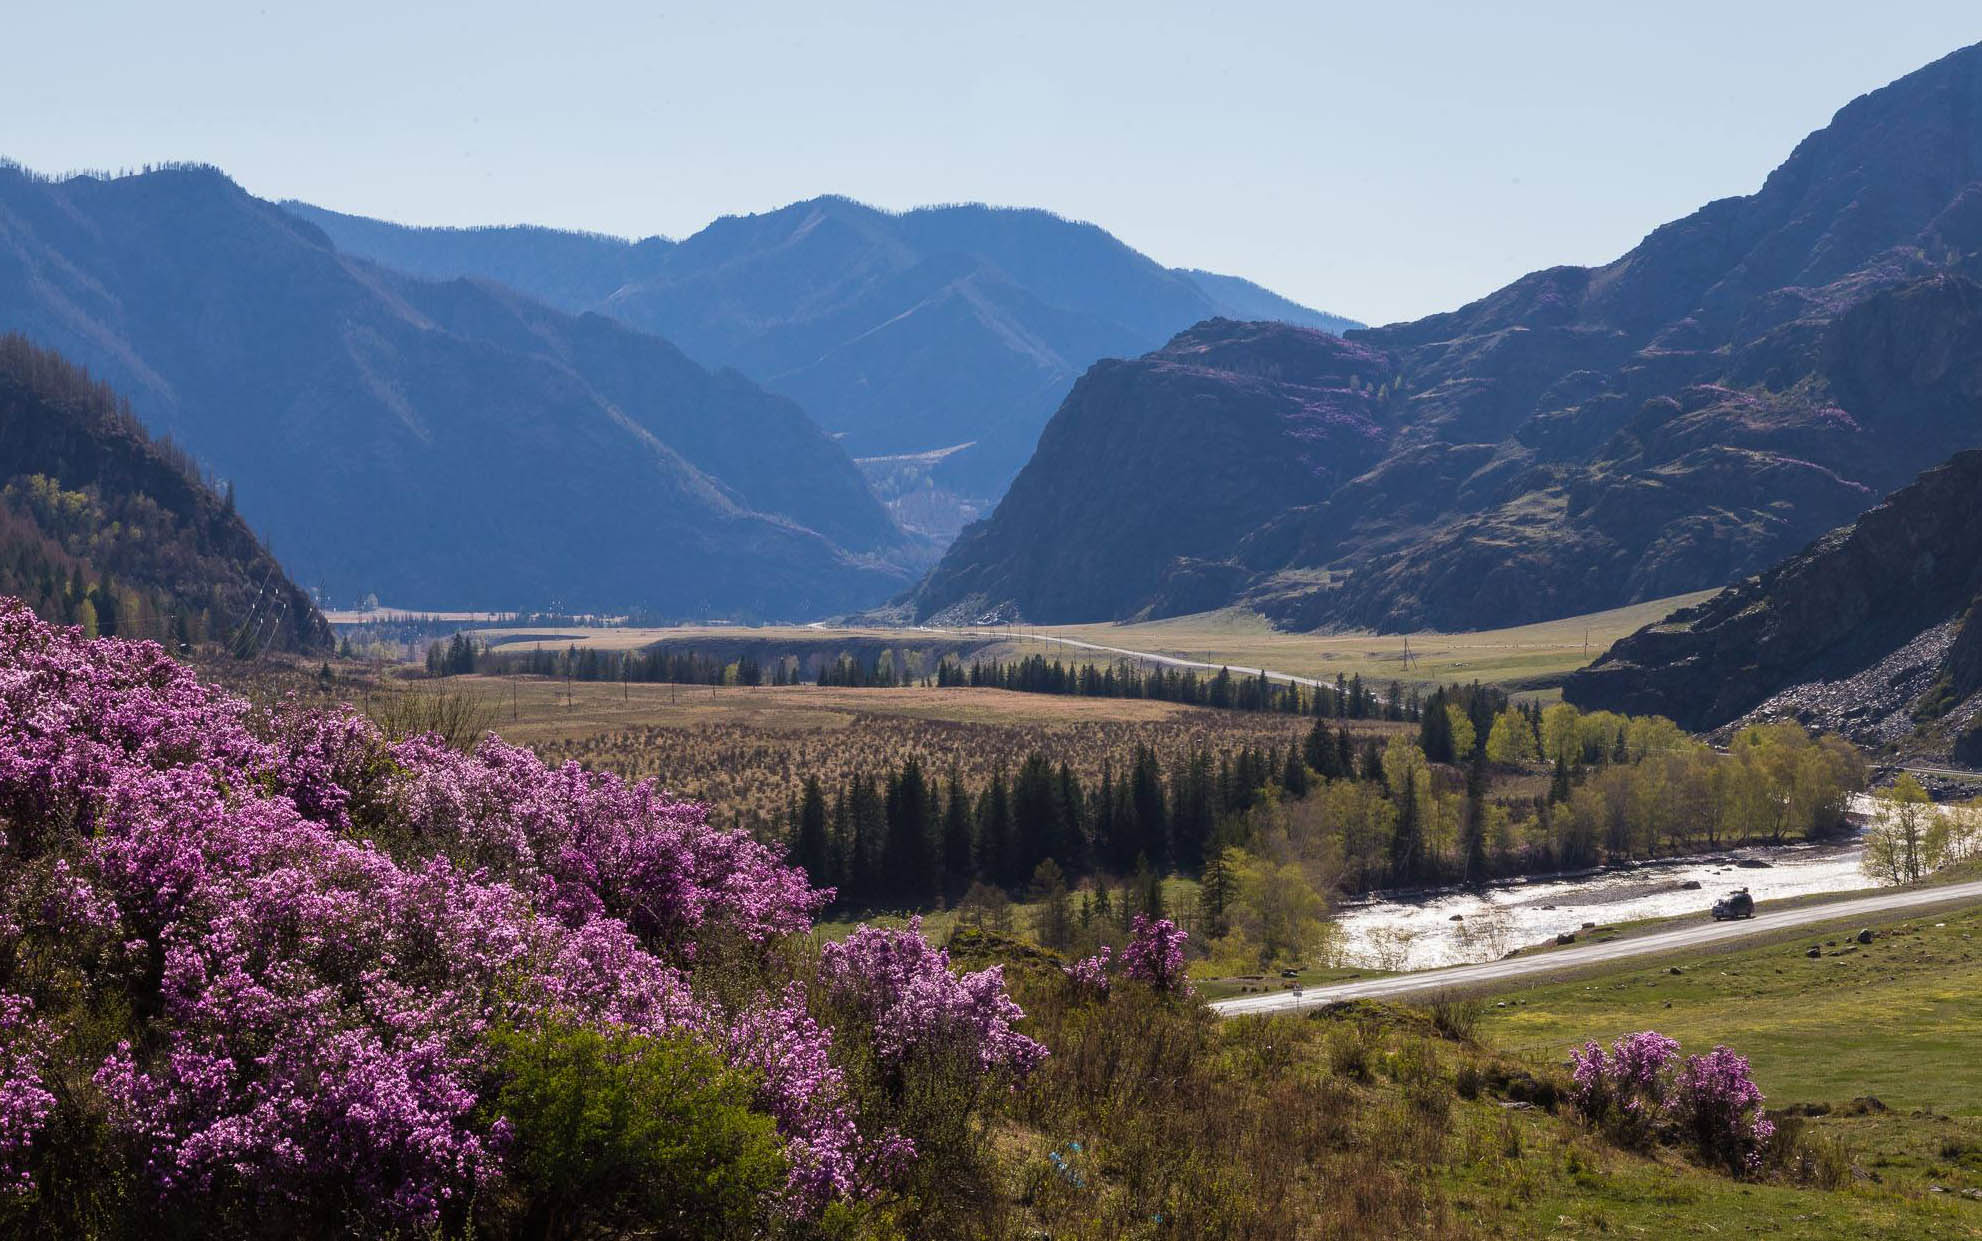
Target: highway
column 1682, row 939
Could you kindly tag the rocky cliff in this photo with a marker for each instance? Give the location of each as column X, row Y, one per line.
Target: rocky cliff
column 1873, row 630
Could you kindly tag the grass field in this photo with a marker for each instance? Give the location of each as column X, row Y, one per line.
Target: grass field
column 1497, row 656
column 1523, row 655
column 747, row 750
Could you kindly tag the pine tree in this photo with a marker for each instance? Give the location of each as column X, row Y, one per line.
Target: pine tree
column 958, row 859
column 1558, row 788
column 1214, row 894
column 811, row 848
column 909, row 873
column 1294, row 778
column 994, row 832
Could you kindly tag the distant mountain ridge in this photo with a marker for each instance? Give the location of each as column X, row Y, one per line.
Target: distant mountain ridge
column 1874, row 630
column 101, row 526
column 438, row 443
column 903, row 333
column 1741, row 381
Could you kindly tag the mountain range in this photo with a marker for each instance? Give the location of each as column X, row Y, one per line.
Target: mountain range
column 1874, row 631
column 102, row 526
column 933, row 343
column 1741, row 381
column 437, row 442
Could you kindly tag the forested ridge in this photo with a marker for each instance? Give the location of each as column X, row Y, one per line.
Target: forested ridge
column 104, row 527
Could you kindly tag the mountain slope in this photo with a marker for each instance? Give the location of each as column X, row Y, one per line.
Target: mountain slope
column 101, row 526
column 1870, row 630
column 572, row 272
column 1741, row 381
column 436, row 443
column 903, row 333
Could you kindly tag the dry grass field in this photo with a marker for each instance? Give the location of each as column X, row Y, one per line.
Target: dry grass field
column 747, row 750
column 1517, row 657
column 1496, row 656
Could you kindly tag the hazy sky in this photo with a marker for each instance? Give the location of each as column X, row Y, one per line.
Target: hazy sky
column 1380, row 160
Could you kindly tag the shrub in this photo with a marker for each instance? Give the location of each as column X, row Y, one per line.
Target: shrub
column 1089, row 976
column 1155, row 955
column 253, row 960
column 610, row 1132
column 1719, row 1106
column 1623, row 1092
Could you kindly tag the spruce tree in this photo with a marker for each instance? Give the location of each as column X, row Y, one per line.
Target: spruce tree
column 811, row 847
column 958, row 857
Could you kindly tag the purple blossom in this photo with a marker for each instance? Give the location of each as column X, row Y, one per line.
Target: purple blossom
column 1719, row 1105
column 903, row 989
column 316, row 1007
column 1155, row 955
column 1089, row 975
column 24, row 1101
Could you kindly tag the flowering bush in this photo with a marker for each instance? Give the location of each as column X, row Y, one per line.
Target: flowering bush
column 1624, row 1092
column 1635, row 1091
column 904, row 991
column 1090, row 974
column 1719, row 1107
column 1155, row 955
column 317, row 942
column 24, row 1102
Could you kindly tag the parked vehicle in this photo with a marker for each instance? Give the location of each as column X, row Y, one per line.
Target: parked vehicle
column 1736, row 904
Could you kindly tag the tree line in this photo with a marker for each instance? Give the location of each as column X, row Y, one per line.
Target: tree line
column 1350, row 698
column 1348, row 811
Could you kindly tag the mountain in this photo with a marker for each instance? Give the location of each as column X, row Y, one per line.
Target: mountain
column 1873, row 630
column 1741, row 381
column 944, row 328
column 571, row 271
column 102, row 526
column 437, row 443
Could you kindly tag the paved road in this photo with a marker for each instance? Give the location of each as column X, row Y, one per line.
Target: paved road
column 1703, row 934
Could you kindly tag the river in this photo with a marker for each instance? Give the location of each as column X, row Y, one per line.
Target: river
column 1422, row 933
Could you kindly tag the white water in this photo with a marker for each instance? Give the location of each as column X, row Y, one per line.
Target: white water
column 1420, row 934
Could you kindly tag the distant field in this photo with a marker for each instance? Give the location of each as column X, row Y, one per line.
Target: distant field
column 1496, row 656
column 1516, row 656
column 747, row 750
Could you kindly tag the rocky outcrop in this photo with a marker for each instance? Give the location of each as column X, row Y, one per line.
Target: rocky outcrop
column 1849, row 602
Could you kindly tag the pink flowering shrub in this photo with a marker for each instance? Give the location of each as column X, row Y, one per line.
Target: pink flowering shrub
column 1089, row 975
column 1623, row 1091
column 316, row 941
column 1640, row 1090
column 1155, row 955
column 25, row 1102
column 1719, row 1107
column 902, row 988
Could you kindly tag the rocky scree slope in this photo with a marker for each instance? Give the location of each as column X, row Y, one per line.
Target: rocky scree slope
column 1872, row 630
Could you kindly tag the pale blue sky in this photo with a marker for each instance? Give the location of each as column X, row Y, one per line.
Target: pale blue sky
column 1380, row 160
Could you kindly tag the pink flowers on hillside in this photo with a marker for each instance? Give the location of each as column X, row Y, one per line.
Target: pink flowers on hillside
column 1090, row 974
column 1634, row 1091
column 903, row 988
column 314, row 934
column 1155, row 955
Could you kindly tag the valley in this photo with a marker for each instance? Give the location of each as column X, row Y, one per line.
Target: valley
column 910, row 716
